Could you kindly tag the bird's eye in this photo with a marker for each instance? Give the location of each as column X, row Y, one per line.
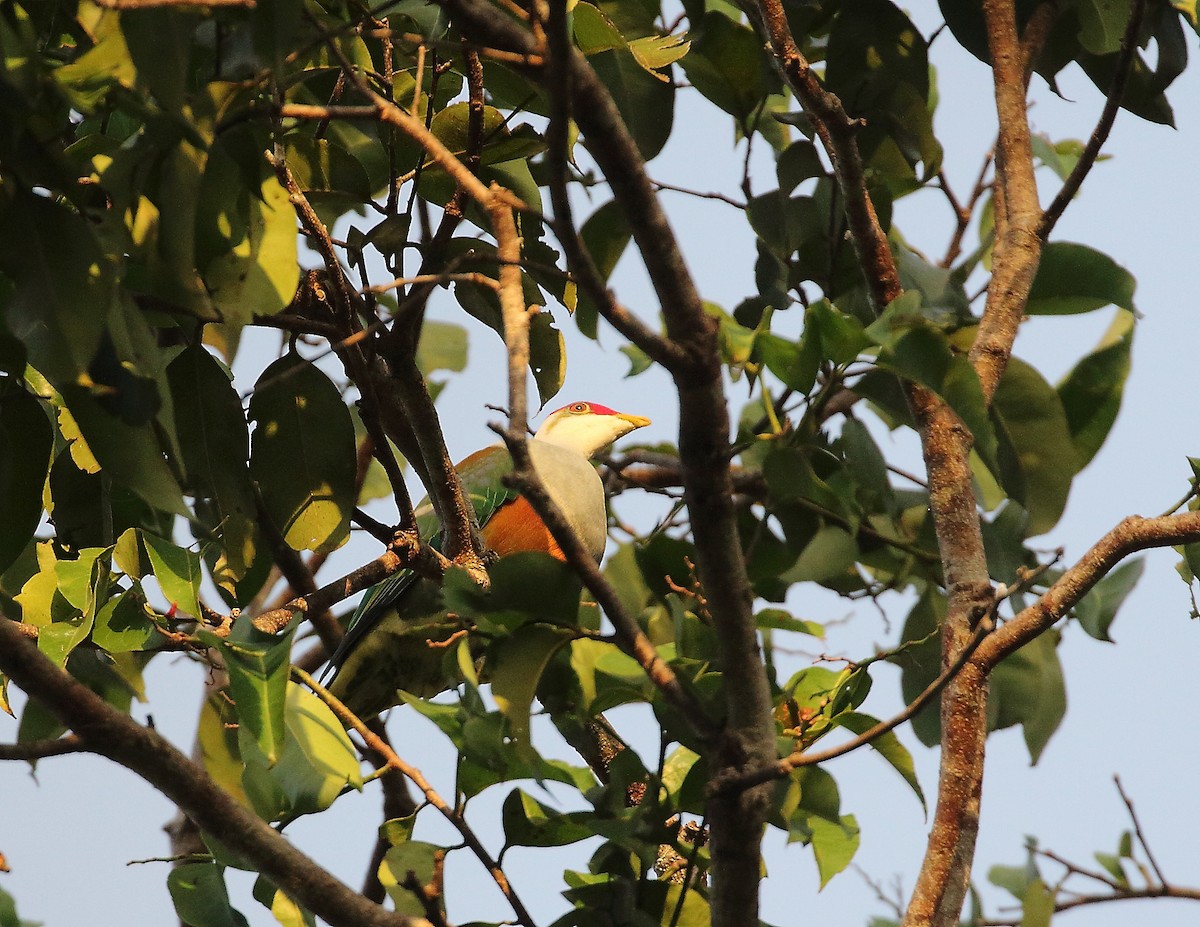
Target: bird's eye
column 579, row 407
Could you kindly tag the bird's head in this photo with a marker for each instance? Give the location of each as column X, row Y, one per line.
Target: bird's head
column 587, row 427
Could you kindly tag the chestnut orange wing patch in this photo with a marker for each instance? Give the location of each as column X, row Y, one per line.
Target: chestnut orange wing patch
column 516, row 527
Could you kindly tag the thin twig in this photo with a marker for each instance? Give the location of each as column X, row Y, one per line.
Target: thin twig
column 1112, row 104
column 39, row 749
column 414, row 775
column 1141, row 834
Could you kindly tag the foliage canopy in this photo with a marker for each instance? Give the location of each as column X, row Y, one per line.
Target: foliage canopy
column 156, row 162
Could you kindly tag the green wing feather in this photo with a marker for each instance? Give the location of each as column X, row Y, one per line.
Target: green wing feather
column 483, row 480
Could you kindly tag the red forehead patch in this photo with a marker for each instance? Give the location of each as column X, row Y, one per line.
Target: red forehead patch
column 594, row 407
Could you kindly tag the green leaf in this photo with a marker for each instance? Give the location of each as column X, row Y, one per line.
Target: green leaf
column 828, row 556
column 178, row 573
column 1074, row 278
column 877, row 63
column 255, row 271
column 727, row 66
column 779, row 620
column 318, row 761
column 258, row 667
column 122, row 624
column 594, row 32
column 200, row 897
column 26, row 440
column 646, row 103
column 834, row 844
column 1091, row 393
column 795, row 363
column 415, row 858
column 887, row 745
column 1027, row 688
column 1037, row 907
column 517, row 663
column 1036, row 452
column 131, row 455
column 547, row 356
column 1096, row 610
column 1102, row 23
column 529, row 823
column 217, row 737
column 916, row 351
column 920, row 661
column 215, row 446
column 303, row 454
column 443, row 346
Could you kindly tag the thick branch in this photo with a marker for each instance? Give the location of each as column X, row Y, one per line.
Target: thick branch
column 1131, row 535
column 1018, row 245
column 115, row 735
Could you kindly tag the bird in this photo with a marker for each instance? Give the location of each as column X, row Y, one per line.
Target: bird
column 387, row 643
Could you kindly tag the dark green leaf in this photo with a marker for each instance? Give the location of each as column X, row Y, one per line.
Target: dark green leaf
column 200, row 897
column 646, row 104
column 215, row 446
column 1036, row 453
column 529, row 823
column 1074, row 278
column 132, row 456
column 303, row 454
column 1027, row 688
column 727, row 66
column 1096, row 610
column 26, row 440
column 1091, row 393
column 517, row 663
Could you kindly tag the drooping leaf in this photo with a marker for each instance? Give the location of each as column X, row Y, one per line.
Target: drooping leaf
column 1036, row 453
column 178, row 573
column 517, row 664
column 1091, row 393
column 26, row 440
column 200, row 897
column 254, row 269
column 1027, row 688
column 303, row 454
column 1096, row 610
column 887, row 745
column 215, row 446
column 318, row 761
column 258, row 676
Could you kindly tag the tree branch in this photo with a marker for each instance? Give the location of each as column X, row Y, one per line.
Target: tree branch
column 1134, row 533
column 40, row 749
column 404, row 553
column 115, row 735
column 1018, row 246
column 837, row 133
column 414, row 775
column 800, row 758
